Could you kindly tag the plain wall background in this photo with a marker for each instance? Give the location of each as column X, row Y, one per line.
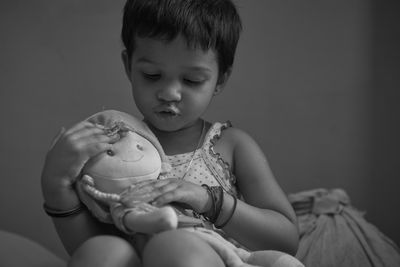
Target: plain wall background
column 315, row 83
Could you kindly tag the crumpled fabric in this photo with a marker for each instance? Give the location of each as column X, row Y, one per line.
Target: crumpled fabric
column 233, row 256
column 333, row 233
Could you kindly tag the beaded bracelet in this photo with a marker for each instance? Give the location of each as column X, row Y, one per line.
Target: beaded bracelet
column 63, row 213
column 230, row 215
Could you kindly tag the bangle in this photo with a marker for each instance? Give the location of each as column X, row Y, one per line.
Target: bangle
column 219, row 201
column 216, row 194
column 230, row 215
column 62, row 213
column 207, row 214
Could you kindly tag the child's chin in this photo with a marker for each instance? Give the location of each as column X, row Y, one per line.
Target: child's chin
column 167, row 123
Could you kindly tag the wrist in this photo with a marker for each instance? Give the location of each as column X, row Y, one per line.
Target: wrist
column 207, row 200
column 216, row 195
column 59, row 194
column 62, row 213
column 228, row 209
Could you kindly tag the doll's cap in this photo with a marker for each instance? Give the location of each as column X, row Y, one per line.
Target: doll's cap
column 113, row 118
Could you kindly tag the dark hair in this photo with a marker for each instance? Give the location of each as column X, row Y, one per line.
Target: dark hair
column 208, row 24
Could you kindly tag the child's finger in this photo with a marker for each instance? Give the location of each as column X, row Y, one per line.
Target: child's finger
column 140, row 192
column 156, row 192
column 80, row 126
column 165, row 187
column 87, row 131
column 168, row 197
column 143, row 186
column 148, row 190
column 89, row 136
column 101, row 138
column 129, row 200
column 94, row 149
column 144, row 193
column 150, row 185
column 142, row 182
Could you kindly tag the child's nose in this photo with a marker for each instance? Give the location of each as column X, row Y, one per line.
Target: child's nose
column 170, row 92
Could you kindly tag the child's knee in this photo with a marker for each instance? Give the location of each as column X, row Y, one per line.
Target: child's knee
column 273, row 258
column 105, row 251
column 178, row 248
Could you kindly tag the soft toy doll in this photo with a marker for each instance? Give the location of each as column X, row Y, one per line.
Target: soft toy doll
column 109, row 182
column 109, row 179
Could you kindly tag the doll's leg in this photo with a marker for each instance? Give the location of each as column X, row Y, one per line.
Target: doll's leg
column 179, row 248
column 273, row 258
column 102, row 251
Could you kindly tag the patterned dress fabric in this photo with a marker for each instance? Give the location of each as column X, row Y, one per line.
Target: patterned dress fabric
column 207, row 167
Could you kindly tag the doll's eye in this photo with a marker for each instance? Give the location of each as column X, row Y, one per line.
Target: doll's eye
column 139, row 147
column 110, row 152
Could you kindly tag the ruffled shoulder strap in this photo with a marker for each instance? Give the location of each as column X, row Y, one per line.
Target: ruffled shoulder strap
column 214, row 161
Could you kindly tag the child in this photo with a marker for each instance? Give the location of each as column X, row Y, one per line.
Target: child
column 178, row 55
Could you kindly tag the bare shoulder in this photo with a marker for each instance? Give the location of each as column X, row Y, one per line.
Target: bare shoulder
column 230, row 138
column 235, row 139
column 254, row 176
column 243, row 155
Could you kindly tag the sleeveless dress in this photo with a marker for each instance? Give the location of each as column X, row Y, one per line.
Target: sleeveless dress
column 208, row 167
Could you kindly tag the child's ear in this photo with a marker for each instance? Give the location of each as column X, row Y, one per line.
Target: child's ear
column 222, row 80
column 127, row 63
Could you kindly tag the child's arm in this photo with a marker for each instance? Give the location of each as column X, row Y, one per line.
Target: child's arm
column 265, row 219
column 64, row 161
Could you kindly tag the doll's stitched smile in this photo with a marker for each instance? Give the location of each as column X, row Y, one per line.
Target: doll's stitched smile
column 135, row 160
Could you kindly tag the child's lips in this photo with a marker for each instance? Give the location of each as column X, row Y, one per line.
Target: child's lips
column 167, row 111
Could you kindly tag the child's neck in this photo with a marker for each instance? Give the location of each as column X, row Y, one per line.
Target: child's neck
column 183, row 140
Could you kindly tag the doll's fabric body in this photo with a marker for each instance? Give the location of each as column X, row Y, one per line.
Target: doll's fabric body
column 111, row 175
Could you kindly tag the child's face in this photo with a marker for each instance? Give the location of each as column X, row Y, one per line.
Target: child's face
column 172, row 84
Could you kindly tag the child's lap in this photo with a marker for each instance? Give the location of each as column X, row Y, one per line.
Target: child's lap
column 169, row 248
column 105, row 250
column 178, row 247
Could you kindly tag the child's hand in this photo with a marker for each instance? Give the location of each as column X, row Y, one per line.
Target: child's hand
column 187, row 194
column 71, row 149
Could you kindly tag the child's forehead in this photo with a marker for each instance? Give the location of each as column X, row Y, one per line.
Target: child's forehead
column 155, row 49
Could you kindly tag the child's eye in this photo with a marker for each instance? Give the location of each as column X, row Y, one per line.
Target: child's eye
column 193, row 82
column 152, row 76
